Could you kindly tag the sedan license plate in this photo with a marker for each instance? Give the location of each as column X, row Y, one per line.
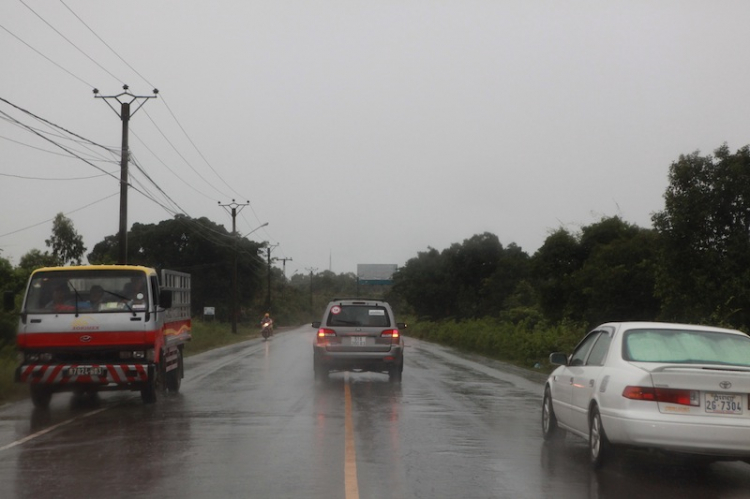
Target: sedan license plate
column 86, row 371
column 358, row 341
column 722, row 403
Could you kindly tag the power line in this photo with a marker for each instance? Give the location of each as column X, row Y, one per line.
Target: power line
column 179, row 177
column 106, row 44
column 181, row 156
column 55, row 143
column 26, row 111
column 48, row 59
column 198, row 150
column 169, row 109
column 70, row 42
column 22, row 177
column 51, row 219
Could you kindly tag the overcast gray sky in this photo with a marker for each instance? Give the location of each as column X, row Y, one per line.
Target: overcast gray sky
column 364, row 132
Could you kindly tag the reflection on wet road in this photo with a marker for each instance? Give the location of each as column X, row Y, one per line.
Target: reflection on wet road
column 251, row 421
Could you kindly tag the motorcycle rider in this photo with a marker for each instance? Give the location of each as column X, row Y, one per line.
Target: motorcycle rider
column 267, row 320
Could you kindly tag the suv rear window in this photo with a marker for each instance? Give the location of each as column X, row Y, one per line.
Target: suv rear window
column 358, row 315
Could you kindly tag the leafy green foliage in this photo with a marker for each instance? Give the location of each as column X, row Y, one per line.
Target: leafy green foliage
column 467, row 280
column 522, row 343
column 704, row 265
column 199, row 247
column 67, row 245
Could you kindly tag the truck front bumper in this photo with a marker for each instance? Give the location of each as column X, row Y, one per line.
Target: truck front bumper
column 90, row 374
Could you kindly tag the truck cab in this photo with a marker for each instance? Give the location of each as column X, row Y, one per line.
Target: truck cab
column 103, row 327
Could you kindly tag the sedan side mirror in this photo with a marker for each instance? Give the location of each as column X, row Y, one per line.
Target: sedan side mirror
column 558, row 359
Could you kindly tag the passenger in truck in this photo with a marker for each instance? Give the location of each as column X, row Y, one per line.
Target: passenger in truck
column 61, row 301
column 96, row 295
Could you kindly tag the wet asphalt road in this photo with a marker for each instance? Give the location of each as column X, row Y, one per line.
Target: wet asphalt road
column 250, row 422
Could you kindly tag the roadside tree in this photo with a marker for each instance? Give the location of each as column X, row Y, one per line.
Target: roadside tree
column 67, row 245
column 704, row 265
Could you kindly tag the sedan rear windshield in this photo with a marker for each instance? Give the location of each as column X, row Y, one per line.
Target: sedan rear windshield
column 686, row 347
column 358, row 316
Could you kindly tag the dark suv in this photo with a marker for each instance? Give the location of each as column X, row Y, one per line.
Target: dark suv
column 358, row 335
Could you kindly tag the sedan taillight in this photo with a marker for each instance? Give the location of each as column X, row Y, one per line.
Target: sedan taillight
column 325, row 334
column 393, row 334
column 668, row 395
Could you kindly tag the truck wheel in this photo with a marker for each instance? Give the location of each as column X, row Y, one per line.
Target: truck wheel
column 40, row 396
column 148, row 393
column 153, row 385
column 174, row 377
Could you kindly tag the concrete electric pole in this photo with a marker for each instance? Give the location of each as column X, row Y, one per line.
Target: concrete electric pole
column 234, row 208
column 125, row 99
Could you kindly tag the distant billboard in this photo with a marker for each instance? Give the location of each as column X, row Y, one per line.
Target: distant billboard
column 376, row 273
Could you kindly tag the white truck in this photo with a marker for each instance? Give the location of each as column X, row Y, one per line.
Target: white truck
column 103, row 327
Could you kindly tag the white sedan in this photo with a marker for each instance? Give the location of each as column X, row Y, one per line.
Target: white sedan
column 672, row 387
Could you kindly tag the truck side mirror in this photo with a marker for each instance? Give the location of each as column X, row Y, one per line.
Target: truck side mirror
column 165, row 298
column 9, row 301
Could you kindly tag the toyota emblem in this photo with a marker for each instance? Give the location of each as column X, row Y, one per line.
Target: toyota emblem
column 86, row 338
column 725, row 385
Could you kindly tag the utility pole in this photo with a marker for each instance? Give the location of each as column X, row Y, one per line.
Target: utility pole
column 125, row 99
column 283, row 261
column 268, row 296
column 233, row 208
column 311, row 286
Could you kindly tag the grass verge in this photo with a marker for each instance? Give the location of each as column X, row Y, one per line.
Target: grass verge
column 523, row 344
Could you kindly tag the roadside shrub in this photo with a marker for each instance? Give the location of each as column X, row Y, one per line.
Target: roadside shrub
column 527, row 342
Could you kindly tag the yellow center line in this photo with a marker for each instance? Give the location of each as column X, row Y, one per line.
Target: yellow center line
column 350, row 459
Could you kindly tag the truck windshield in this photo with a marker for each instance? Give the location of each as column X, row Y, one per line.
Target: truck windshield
column 87, row 291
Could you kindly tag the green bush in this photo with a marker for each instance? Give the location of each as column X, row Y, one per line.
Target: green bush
column 527, row 343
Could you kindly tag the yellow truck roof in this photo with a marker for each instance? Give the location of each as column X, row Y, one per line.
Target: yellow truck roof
column 147, row 270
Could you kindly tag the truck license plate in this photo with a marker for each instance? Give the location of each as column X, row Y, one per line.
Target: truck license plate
column 722, row 403
column 86, row 371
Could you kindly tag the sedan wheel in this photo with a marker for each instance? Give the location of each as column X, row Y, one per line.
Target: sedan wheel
column 550, row 429
column 599, row 447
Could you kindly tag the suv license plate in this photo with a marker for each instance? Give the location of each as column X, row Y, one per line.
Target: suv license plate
column 722, row 403
column 86, row 371
column 359, row 341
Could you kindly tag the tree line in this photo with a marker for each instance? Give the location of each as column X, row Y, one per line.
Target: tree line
column 692, row 265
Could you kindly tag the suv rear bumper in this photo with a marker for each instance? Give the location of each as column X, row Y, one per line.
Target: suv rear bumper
column 365, row 361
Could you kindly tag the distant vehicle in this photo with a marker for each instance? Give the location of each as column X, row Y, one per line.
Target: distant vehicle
column 102, row 327
column 671, row 387
column 266, row 328
column 358, row 335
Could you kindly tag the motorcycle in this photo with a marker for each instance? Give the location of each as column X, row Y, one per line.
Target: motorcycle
column 266, row 329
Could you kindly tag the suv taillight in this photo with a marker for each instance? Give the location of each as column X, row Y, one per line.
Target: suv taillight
column 393, row 334
column 324, row 334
